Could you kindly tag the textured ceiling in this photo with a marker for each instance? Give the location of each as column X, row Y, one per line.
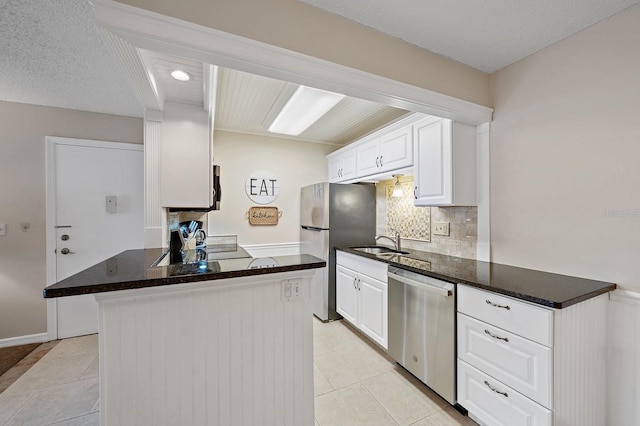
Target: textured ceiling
column 51, row 54
column 484, row 34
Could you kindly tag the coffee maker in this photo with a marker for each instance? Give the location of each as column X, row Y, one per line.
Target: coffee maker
column 188, row 240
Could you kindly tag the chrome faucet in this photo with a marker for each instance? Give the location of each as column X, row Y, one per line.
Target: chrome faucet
column 396, row 242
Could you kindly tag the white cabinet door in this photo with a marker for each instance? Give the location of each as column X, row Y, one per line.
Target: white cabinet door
column 373, row 296
column 348, row 165
column 334, row 169
column 347, row 293
column 433, row 174
column 396, row 149
column 368, row 158
column 493, row 403
column 342, row 166
column 517, row 362
column 444, row 163
column 185, row 167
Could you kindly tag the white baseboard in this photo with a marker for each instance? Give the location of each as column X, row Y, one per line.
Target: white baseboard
column 276, row 249
column 625, row 296
column 24, row 340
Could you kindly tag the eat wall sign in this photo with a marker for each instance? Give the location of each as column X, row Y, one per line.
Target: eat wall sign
column 262, row 187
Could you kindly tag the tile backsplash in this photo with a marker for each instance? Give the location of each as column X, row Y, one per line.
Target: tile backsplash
column 414, row 223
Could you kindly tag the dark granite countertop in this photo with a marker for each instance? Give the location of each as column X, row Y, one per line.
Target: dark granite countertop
column 132, row 269
column 543, row 288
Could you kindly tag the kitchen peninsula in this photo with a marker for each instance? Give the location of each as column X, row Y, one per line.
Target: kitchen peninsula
column 213, row 342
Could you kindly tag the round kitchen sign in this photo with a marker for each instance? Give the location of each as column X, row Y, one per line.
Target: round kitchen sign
column 262, row 187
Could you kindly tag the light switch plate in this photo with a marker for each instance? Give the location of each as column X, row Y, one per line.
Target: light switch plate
column 440, row 228
column 291, row 290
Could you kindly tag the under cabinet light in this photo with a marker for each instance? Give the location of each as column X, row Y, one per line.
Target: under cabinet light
column 180, row 75
column 303, row 109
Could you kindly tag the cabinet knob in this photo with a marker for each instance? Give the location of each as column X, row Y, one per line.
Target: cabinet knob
column 415, row 192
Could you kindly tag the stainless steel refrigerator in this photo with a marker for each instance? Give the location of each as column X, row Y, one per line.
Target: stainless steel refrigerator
column 334, row 215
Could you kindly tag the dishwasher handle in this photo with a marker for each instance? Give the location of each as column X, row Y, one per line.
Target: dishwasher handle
column 443, row 291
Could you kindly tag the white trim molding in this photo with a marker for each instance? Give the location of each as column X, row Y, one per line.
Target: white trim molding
column 275, row 249
column 154, row 215
column 148, row 30
column 24, row 340
column 625, row 296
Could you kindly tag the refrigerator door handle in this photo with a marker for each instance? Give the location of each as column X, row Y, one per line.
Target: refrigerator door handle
column 312, row 228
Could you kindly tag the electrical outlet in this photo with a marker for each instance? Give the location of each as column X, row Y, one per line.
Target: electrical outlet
column 440, row 228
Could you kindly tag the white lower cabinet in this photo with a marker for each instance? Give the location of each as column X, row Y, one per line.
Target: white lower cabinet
column 362, row 295
column 524, row 364
column 494, row 403
column 347, row 293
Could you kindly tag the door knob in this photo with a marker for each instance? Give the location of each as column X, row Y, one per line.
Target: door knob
column 66, row 251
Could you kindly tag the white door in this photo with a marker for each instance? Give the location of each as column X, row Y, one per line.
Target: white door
column 97, row 211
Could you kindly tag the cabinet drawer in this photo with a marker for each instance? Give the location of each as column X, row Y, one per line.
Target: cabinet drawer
column 495, row 404
column 369, row 267
column 521, row 318
column 517, row 362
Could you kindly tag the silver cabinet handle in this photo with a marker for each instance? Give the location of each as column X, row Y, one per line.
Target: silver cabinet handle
column 381, row 161
column 506, row 339
column 489, row 302
column 354, row 283
column 358, row 284
column 415, row 192
column 377, row 161
column 496, row 390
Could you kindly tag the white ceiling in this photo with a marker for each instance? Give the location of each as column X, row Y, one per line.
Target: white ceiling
column 484, row 34
column 53, row 55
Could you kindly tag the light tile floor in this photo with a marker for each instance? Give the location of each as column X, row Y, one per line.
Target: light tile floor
column 355, row 384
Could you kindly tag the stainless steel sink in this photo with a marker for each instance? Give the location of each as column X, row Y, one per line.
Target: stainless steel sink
column 380, row 250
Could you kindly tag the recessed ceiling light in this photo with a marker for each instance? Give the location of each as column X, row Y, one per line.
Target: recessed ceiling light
column 303, row 109
column 180, row 75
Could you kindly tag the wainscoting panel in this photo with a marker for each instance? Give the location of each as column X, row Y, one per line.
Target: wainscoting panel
column 227, row 352
column 624, row 359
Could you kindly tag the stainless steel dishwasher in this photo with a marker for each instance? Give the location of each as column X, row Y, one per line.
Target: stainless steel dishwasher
column 422, row 329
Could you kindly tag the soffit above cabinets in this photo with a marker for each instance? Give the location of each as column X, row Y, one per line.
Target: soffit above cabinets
column 248, row 103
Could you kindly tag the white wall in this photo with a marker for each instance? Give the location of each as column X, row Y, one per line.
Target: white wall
column 22, row 199
column 565, row 145
column 294, row 163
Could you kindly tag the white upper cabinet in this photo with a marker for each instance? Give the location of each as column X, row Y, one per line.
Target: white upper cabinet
column 445, row 163
column 391, row 149
column 186, row 157
column 342, row 165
